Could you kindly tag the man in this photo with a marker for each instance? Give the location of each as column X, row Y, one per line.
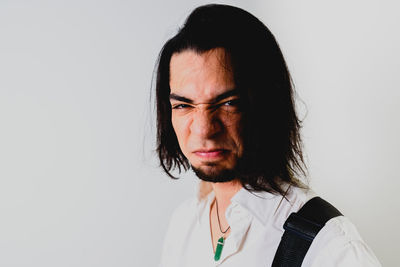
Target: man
column 225, row 109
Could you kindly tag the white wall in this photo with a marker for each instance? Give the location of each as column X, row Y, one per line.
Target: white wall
column 79, row 185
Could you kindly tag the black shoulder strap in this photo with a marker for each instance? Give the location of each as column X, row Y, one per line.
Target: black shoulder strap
column 300, row 230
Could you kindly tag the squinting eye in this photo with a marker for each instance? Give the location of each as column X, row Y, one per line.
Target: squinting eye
column 230, row 106
column 233, row 102
column 180, row 106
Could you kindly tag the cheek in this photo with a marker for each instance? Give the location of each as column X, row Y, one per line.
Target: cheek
column 233, row 124
column 235, row 130
column 180, row 129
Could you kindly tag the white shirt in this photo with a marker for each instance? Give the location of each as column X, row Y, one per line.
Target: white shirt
column 256, row 230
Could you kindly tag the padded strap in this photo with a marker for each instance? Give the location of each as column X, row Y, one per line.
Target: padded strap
column 300, row 230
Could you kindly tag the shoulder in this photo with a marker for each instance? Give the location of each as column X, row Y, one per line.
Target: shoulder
column 185, row 210
column 339, row 244
column 181, row 220
column 294, row 199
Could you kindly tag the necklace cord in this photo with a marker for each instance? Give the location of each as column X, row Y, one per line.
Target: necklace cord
column 219, row 223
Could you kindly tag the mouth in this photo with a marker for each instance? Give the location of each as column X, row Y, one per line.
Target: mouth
column 210, row 153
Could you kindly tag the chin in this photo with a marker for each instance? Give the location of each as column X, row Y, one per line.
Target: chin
column 214, row 173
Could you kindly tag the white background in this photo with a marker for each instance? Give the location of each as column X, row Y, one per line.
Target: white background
column 79, row 183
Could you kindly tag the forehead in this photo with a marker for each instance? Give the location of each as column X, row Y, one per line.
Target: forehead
column 200, row 76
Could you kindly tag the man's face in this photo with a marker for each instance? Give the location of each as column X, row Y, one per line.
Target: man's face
column 206, row 115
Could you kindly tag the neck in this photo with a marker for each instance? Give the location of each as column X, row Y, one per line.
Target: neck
column 224, row 192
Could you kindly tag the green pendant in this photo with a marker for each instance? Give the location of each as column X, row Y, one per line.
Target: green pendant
column 218, row 250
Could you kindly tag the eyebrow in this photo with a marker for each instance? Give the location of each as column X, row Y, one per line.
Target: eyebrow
column 232, row 92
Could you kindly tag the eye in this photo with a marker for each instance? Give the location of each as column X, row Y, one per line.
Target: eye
column 232, row 102
column 180, row 106
column 230, row 106
column 228, row 103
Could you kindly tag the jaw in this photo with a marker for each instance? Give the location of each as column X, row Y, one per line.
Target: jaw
column 215, row 174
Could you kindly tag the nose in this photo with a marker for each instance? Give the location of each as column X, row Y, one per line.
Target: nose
column 205, row 124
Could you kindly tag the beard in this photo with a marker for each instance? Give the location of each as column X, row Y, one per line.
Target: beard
column 215, row 175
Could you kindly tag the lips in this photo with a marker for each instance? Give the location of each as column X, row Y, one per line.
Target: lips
column 210, row 153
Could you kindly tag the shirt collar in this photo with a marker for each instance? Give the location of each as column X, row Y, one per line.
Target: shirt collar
column 261, row 205
column 269, row 208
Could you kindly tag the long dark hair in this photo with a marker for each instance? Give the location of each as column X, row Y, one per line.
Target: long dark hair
column 271, row 139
